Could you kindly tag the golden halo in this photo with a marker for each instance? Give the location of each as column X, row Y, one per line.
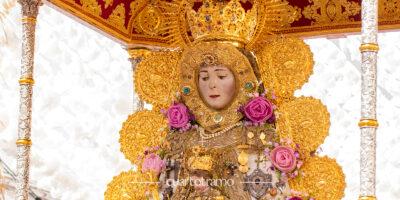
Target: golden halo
column 285, row 65
column 216, row 54
column 126, row 186
column 142, row 129
column 157, row 78
column 306, row 120
column 321, row 178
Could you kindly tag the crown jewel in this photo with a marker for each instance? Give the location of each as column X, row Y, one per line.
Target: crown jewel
column 223, row 20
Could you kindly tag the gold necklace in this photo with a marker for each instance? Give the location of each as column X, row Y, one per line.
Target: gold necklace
column 205, row 136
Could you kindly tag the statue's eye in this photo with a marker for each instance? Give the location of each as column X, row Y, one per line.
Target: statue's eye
column 221, row 77
column 205, row 78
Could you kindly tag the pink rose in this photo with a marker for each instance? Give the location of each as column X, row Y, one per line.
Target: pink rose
column 258, row 110
column 283, row 158
column 153, row 163
column 178, row 115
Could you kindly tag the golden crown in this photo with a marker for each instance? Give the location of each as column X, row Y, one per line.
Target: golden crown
column 222, row 20
column 199, row 160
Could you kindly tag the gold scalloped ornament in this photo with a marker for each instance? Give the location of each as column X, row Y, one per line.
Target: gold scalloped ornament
column 320, row 178
column 127, row 185
column 142, row 129
column 157, row 78
column 306, row 120
column 285, row 65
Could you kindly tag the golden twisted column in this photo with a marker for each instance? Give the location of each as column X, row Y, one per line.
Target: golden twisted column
column 136, row 55
column 29, row 13
column 368, row 123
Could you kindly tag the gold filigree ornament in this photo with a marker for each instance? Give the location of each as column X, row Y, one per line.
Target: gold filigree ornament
column 157, row 78
column 285, row 65
column 142, row 129
column 320, row 178
column 127, row 185
column 215, row 54
column 306, row 120
column 327, row 12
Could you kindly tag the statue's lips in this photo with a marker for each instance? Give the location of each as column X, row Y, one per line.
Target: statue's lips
column 214, row 96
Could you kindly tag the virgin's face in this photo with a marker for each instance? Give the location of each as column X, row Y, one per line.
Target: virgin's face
column 217, row 86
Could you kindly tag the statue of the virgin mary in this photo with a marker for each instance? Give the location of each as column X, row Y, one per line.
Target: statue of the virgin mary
column 223, row 154
column 223, row 122
column 223, row 140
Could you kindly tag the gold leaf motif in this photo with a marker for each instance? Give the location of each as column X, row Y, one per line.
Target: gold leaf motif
column 127, row 185
column 320, row 178
column 142, row 129
column 328, row 11
column 285, row 65
column 91, row 6
column 108, row 3
column 157, row 78
column 117, row 17
column 306, row 120
column 389, row 9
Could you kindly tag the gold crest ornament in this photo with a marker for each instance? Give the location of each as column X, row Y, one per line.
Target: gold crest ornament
column 215, row 54
column 240, row 22
column 142, row 129
column 320, row 178
column 157, row 78
column 306, row 120
column 285, row 65
column 127, row 185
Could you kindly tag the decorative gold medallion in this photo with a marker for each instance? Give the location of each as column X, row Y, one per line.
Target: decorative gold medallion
column 285, row 65
column 157, row 78
column 149, row 20
column 306, row 120
column 218, row 118
column 321, row 178
column 127, row 185
column 142, row 129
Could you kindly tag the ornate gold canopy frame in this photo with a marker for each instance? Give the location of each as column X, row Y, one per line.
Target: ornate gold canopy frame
column 155, row 36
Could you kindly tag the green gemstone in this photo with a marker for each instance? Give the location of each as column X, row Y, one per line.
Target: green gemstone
column 248, row 86
column 186, row 90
